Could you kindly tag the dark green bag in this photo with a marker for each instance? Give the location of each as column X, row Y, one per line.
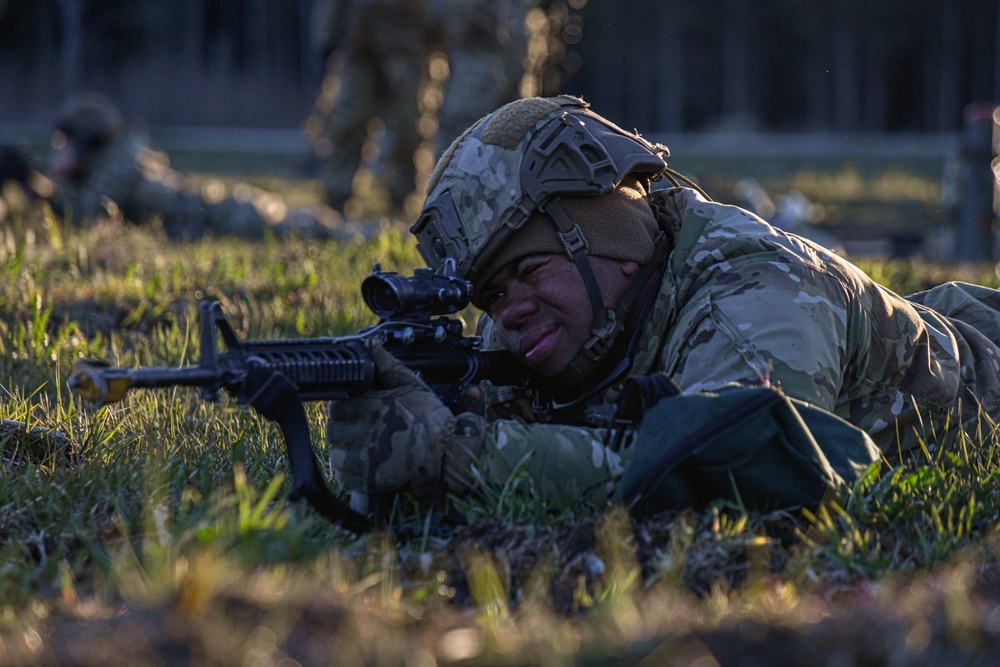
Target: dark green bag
column 751, row 445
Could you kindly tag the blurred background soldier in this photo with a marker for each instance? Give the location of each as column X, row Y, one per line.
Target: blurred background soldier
column 367, row 110
column 101, row 171
column 497, row 51
column 485, row 42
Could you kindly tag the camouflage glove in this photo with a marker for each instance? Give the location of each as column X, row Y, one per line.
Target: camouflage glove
column 401, row 437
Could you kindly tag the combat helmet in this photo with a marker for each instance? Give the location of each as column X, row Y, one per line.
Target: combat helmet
column 91, row 121
column 516, row 164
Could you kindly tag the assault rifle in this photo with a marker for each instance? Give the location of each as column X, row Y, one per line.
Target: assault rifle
column 275, row 377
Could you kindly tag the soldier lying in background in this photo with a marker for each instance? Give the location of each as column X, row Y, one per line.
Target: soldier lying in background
column 101, row 171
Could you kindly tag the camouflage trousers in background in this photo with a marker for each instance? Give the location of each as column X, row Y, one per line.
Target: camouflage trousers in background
column 385, row 89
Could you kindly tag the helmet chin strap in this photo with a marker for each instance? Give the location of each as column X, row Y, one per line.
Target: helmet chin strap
column 606, row 323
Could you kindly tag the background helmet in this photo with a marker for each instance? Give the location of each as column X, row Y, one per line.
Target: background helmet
column 511, row 164
column 91, row 121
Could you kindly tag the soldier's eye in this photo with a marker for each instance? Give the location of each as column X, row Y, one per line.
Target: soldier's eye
column 527, row 269
column 489, row 299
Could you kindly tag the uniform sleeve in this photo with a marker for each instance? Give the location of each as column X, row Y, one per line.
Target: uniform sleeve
column 766, row 323
column 559, row 461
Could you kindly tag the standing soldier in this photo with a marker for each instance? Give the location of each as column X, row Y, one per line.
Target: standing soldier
column 101, row 171
column 374, row 73
column 497, row 50
column 485, row 42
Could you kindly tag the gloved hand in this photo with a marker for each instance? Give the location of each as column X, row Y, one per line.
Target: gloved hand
column 401, row 437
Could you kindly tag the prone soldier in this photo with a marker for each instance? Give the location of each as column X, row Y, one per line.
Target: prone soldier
column 590, row 277
column 100, row 170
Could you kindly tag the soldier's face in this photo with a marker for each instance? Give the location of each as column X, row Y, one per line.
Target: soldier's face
column 65, row 161
column 541, row 309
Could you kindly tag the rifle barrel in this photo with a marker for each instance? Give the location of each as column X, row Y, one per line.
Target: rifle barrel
column 164, row 376
column 99, row 383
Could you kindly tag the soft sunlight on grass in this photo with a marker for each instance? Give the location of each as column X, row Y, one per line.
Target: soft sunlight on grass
column 162, row 528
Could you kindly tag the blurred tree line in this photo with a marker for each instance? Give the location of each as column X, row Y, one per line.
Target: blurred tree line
column 843, row 65
column 204, row 62
column 659, row 65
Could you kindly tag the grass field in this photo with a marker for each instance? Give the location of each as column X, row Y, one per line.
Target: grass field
column 160, row 534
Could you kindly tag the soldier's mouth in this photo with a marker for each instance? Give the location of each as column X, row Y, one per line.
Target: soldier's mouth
column 539, row 344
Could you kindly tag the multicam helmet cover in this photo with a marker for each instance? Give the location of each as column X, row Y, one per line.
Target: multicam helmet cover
column 511, row 164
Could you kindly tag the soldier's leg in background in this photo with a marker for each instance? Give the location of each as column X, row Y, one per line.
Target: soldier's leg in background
column 396, row 168
column 347, row 128
column 478, row 83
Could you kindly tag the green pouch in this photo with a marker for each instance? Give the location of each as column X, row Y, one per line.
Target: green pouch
column 752, row 445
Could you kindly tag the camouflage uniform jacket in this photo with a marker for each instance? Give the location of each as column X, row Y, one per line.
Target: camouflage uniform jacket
column 745, row 302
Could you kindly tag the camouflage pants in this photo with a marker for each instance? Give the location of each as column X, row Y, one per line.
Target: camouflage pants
column 479, row 83
column 975, row 312
column 384, row 88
